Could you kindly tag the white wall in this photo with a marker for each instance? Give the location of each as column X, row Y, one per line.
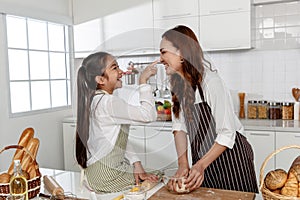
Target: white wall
column 48, row 126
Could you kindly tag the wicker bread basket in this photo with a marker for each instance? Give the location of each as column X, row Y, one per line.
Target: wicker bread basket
column 34, row 184
column 266, row 193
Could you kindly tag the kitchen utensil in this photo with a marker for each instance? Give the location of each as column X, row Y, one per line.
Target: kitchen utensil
column 242, row 104
column 166, row 94
column 135, row 192
column 156, row 92
column 296, row 93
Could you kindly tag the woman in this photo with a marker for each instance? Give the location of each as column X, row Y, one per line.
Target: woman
column 202, row 109
column 103, row 124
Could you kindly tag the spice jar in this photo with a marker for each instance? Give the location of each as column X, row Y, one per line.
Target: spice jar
column 274, row 110
column 287, row 110
column 252, row 109
column 262, row 109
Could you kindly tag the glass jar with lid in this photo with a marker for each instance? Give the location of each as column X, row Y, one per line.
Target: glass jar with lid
column 252, row 109
column 274, row 110
column 262, row 109
column 287, row 110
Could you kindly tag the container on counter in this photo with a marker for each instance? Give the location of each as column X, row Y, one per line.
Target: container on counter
column 287, row 110
column 274, row 110
column 262, row 109
column 252, row 109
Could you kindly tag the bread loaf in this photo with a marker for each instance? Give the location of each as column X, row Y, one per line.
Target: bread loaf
column 26, row 135
column 296, row 167
column 4, row 178
column 32, row 147
column 290, row 188
column 276, row 179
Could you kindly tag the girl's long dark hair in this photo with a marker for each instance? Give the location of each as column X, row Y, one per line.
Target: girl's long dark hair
column 183, row 88
column 92, row 66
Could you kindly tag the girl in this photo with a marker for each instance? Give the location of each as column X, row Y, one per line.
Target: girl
column 202, row 109
column 103, row 124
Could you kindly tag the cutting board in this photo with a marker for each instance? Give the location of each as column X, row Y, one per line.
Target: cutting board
column 204, row 194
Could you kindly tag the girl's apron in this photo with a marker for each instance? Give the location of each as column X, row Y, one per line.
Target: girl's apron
column 234, row 168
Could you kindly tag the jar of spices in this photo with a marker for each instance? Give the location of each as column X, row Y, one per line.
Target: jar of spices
column 287, row 110
column 262, row 109
column 252, row 109
column 274, row 110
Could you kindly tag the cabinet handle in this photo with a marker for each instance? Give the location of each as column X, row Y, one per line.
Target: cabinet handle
column 260, row 134
column 225, row 11
column 177, row 15
column 297, row 136
column 224, row 47
column 132, row 129
column 73, row 125
column 164, row 130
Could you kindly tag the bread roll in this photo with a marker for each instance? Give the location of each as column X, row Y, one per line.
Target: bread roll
column 32, row 147
column 26, row 135
column 4, row 178
column 148, row 184
column 276, row 179
column 290, row 188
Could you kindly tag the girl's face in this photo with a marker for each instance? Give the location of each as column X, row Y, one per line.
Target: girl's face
column 170, row 57
column 111, row 79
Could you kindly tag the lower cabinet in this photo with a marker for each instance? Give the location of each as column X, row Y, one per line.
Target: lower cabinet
column 285, row 158
column 160, row 147
column 136, row 139
column 263, row 143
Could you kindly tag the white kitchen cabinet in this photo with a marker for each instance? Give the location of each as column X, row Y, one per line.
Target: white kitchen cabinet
column 225, row 25
column 209, row 7
column 136, row 139
column 87, row 37
column 263, row 143
column 160, row 147
column 168, row 9
column 271, row 1
column 70, row 162
column 285, row 158
column 129, row 31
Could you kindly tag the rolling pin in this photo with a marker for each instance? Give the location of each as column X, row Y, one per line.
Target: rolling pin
column 53, row 187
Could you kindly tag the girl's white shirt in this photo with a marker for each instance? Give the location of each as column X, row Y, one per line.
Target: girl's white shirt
column 107, row 116
column 219, row 99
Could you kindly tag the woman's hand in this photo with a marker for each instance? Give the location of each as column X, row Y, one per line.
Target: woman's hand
column 181, row 172
column 195, row 177
column 149, row 71
column 140, row 174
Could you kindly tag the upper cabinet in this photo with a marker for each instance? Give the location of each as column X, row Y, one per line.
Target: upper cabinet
column 271, row 1
column 225, row 25
column 166, row 9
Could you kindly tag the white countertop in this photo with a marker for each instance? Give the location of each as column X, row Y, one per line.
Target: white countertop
column 70, row 182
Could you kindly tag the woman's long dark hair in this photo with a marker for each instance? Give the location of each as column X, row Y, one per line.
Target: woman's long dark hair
column 183, row 88
column 92, row 66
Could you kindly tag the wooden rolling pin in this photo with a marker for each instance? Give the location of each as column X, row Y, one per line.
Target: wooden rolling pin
column 53, row 187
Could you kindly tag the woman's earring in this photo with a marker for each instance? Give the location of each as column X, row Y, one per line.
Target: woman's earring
column 181, row 60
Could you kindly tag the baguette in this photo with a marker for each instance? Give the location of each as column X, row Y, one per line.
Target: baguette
column 32, row 147
column 26, row 135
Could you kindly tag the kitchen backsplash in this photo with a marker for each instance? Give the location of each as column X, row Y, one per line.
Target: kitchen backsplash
column 272, row 68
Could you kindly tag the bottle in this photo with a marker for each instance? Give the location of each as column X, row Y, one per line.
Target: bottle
column 242, row 105
column 18, row 183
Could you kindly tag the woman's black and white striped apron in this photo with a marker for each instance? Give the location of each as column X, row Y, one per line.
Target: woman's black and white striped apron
column 234, row 168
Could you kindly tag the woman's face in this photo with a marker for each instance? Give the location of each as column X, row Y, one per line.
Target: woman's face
column 170, row 57
column 112, row 76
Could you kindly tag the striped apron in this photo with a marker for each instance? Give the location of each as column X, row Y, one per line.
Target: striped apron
column 234, row 168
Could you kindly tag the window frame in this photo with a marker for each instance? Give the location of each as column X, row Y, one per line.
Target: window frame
column 68, row 45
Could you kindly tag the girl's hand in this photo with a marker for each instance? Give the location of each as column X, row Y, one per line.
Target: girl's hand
column 196, row 176
column 149, row 71
column 140, row 174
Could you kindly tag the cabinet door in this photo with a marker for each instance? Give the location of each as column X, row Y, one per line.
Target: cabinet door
column 160, row 26
column 129, row 31
column 263, row 144
column 208, row 7
column 70, row 162
column 166, row 9
column 225, row 31
column 285, row 158
column 136, row 139
column 160, row 148
column 87, row 37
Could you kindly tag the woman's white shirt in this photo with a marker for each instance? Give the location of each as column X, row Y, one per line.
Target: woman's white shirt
column 108, row 113
column 219, row 99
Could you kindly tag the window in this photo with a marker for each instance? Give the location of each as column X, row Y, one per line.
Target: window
column 39, row 66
